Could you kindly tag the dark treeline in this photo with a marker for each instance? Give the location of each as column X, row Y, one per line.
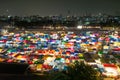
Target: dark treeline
column 71, row 21
column 46, row 23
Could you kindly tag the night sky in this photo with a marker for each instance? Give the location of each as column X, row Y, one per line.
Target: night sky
column 57, row 7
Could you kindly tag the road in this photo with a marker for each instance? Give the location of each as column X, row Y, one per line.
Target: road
column 21, row 77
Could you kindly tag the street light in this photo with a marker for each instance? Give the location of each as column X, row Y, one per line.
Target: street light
column 79, row 27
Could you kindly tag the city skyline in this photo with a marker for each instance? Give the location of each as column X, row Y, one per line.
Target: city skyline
column 58, row 7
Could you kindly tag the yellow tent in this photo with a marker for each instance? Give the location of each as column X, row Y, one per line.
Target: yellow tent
column 1, row 50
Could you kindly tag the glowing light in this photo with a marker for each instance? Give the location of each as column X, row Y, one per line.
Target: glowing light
column 79, row 27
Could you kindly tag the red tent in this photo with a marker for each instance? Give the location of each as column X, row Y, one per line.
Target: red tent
column 109, row 65
column 116, row 49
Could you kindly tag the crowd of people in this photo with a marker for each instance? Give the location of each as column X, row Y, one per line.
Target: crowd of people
column 55, row 50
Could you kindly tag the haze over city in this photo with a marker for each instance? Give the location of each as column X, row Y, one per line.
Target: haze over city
column 57, row 7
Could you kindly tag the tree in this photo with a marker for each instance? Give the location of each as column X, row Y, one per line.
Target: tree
column 58, row 76
column 78, row 71
column 81, row 71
